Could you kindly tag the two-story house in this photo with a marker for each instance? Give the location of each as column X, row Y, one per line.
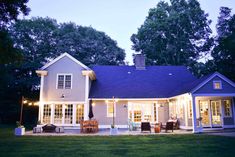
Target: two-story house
column 69, row 89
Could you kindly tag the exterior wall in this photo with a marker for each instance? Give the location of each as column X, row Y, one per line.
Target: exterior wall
column 100, row 113
column 208, row 87
column 64, row 65
column 163, row 113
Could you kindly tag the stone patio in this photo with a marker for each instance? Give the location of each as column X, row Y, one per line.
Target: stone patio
column 105, row 132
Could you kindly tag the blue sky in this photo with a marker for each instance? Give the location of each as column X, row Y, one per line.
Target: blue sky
column 117, row 18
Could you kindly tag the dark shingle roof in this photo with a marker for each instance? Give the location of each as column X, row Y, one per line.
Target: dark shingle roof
column 127, row 82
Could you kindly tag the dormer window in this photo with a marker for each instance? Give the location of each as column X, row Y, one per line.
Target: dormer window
column 64, row 81
column 217, row 84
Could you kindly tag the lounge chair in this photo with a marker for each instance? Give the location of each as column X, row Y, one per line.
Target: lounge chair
column 168, row 126
column 145, row 126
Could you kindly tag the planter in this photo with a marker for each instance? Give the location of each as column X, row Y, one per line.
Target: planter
column 113, row 131
column 19, row 131
column 157, row 129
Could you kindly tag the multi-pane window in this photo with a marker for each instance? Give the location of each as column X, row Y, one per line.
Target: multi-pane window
column 79, row 113
column 110, row 109
column 217, row 84
column 64, row 81
column 155, row 111
column 58, row 114
column 137, row 116
column 68, row 119
column 227, row 108
column 190, row 109
column 47, row 114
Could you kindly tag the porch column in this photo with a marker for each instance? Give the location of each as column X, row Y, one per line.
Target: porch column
column 52, row 113
column 41, row 73
column 194, row 116
column 86, row 105
column 74, row 113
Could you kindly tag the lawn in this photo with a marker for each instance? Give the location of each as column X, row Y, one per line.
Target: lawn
column 152, row 145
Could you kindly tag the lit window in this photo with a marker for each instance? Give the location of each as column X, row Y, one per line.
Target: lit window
column 110, row 109
column 217, row 84
column 64, row 81
column 47, row 114
column 227, row 108
column 190, row 109
column 80, row 113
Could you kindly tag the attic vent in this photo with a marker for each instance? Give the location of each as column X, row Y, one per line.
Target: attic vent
column 170, row 74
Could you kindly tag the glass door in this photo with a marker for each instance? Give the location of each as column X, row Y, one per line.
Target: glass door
column 68, row 118
column 215, row 113
column 58, row 114
column 204, row 113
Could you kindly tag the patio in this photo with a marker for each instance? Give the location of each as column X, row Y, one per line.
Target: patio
column 106, row 132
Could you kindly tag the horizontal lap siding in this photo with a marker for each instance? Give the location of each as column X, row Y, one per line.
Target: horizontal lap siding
column 100, row 113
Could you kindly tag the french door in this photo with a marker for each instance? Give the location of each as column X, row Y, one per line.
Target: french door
column 216, row 114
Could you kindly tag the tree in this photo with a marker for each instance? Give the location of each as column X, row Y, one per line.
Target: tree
column 224, row 52
column 174, row 34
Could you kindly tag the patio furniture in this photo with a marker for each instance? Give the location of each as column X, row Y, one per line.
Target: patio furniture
column 145, row 126
column 81, row 126
column 90, row 126
column 59, row 129
column 175, row 123
column 168, row 126
column 37, row 129
column 49, row 128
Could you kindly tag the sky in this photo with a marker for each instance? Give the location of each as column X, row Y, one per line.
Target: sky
column 119, row 19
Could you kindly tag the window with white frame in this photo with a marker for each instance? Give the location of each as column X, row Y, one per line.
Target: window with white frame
column 227, row 108
column 111, row 107
column 47, row 114
column 190, row 109
column 217, row 84
column 64, row 81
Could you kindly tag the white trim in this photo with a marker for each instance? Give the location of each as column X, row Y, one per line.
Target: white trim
column 215, row 94
column 210, row 78
column 61, row 56
column 64, row 74
column 131, row 99
column 217, row 81
column 63, row 102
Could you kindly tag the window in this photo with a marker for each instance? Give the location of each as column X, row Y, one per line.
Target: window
column 80, row 113
column 47, row 114
column 227, row 108
column 217, row 84
column 64, row 81
column 110, row 109
column 58, row 114
column 190, row 109
column 68, row 118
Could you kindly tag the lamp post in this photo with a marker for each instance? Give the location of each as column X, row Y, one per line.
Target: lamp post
column 113, row 110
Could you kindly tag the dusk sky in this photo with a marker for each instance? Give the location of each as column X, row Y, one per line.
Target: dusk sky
column 117, row 18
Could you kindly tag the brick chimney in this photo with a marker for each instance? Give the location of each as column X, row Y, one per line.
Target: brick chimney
column 139, row 60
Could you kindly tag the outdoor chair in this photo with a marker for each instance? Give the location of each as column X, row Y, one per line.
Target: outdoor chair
column 168, row 126
column 49, row 128
column 145, row 126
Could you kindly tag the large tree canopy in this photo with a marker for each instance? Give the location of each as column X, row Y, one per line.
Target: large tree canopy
column 174, row 34
column 43, row 38
column 224, row 51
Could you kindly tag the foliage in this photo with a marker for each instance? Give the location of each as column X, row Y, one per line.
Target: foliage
column 174, row 34
column 224, row 52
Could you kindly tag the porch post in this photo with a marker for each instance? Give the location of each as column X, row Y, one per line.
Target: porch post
column 74, row 114
column 52, row 113
column 86, row 105
column 194, row 117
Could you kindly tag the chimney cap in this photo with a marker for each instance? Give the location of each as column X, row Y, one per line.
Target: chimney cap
column 139, row 60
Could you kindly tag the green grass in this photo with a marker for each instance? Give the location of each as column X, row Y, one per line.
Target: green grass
column 152, row 145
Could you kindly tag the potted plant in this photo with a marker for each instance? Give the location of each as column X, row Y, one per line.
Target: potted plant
column 20, row 130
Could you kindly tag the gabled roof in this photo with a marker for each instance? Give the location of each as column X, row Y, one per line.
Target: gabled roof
column 61, row 56
column 127, row 82
column 204, row 80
